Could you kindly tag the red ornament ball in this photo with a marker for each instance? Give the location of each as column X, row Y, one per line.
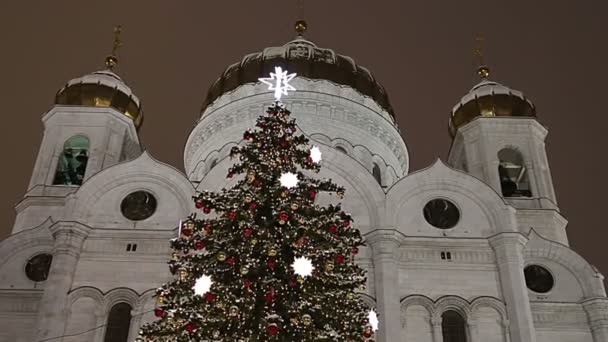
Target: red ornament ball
column 198, row 204
column 247, row 231
column 312, row 195
column 309, row 160
column 247, row 283
column 206, row 210
column 272, row 330
column 292, row 283
column 208, row 228
column 354, row 250
column 247, row 135
column 332, row 229
column 229, row 175
column 257, row 182
column 159, row 313
column 231, row 260
column 187, row 231
column 339, row 258
column 269, row 297
column 271, row 264
column 210, row 297
column 231, row 215
column 283, row 216
column 252, row 205
column 286, row 158
column 367, row 333
column 189, row 327
column 199, row 245
column 345, row 223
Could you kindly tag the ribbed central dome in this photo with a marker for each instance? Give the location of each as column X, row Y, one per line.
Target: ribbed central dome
column 308, row 61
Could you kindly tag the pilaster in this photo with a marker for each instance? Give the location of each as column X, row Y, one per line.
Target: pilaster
column 385, row 247
column 69, row 238
column 508, row 248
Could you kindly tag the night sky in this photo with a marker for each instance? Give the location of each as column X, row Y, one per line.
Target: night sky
column 556, row 52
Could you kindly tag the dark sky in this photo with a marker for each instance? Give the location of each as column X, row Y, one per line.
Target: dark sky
column 556, row 52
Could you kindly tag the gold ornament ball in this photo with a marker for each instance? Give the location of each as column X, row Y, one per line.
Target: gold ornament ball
column 301, row 280
column 254, row 241
column 272, row 252
column 248, row 199
column 221, row 256
column 183, row 274
column 281, row 221
column 294, row 206
column 190, row 225
column 234, row 311
column 306, row 319
column 329, row 266
column 244, row 270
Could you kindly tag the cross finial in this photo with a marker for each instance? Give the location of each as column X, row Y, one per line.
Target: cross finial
column 482, row 70
column 112, row 59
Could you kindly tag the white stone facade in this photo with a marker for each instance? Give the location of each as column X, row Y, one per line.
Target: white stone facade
column 410, row 282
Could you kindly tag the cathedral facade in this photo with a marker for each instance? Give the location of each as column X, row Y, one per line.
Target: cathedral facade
column 470, row 249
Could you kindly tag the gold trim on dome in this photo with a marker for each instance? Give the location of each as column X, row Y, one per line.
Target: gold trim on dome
column 101, row 96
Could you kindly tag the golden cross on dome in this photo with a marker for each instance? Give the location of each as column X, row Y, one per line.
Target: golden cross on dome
column 112, row 59
column 483, row 70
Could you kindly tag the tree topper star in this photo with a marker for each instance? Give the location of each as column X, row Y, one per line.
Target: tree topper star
column 279, row 82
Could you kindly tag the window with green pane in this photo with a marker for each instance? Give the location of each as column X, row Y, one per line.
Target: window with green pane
column 72, row 161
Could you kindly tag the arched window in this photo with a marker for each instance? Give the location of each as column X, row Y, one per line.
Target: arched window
column 453, row 327
column 119, row 322
column 72, row 161
column 341, row 149
column 377, row 173
column 513, row 174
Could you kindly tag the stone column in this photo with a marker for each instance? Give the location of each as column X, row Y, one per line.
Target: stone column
column 508, row 248
column 69, row 238
column 437, row 331
column 385, row 246
column 597, row 313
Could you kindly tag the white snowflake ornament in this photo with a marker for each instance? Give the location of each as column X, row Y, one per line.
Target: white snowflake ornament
column 373, row 319
column 315, row 154
column 289, row 180
column 202, row 285
column 302, row 266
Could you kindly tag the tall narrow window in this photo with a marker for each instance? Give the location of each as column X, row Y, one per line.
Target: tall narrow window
column 72, row 161
column 377, row 174
column 453, row 327
column 513, row 174
column 119, row 322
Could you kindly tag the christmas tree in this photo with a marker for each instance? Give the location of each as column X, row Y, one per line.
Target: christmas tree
column 263, row 261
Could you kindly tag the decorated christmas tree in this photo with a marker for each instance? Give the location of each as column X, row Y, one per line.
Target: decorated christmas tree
column 262, row 261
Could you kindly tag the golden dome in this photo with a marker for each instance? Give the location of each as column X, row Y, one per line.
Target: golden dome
column 489, row 98
column 102, row 89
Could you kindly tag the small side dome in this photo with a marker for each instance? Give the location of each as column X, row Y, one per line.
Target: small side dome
column 489, row 98
column 102, row 89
